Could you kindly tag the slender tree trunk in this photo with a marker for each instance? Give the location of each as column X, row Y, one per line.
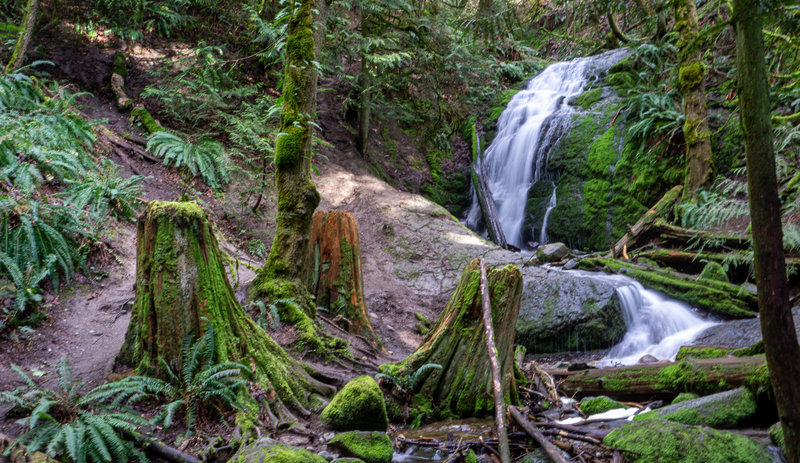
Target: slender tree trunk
column 691, row 78
column 284, row 274
column 777, row 325
column 21, row 47
column 364, row 82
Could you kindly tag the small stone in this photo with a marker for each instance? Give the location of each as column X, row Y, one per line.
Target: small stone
column 647, row 358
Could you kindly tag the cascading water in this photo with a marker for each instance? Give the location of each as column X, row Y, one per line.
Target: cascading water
column 534, row 118
column 550, row 205
column 657, row 325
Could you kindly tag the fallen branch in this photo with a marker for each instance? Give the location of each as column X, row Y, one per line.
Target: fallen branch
column 546, row 445
column 497, row 385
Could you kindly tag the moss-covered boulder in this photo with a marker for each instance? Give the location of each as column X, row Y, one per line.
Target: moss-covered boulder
column 358, row 406
column 683, row 397
column 659, row 441
column 266, row 450
column 728, row 409
column 595, row 405
column 371, row 447
column 713, row 271
column 563, row 313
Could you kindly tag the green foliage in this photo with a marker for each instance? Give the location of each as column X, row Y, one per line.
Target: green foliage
column 206, row 157
column 198, row 383
column 106, row 192
column 64, row 423
column 268, row 316
column 130, row 19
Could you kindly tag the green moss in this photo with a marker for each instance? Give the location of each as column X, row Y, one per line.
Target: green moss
column 289, row 145
column 728, row 409
column 776, row 434
column 651, row 415
column 702, row 352
column 372, row 447
column 600, row 404
column 269, row 451
column 424, row 324
column 588, row 98
column 691, row 75
column 666, row 441
column 471, row 457
column 118, row 65
column 358, row 406
column 749, row 351
column 683, row 397
column 714, row 271
column 141, row 115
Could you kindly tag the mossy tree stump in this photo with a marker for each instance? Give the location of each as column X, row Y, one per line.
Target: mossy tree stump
column 181, row 287
column 463, row 386
column 335, row 277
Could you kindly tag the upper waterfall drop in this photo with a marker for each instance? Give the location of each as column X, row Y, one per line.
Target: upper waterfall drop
column 529, row 126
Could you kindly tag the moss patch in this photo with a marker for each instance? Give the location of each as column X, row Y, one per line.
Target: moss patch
column 267, row 450
column 713, row 271
column 600, row 404
column 683, row 397
column 663, row 441
column 358, row 406
column 372, row 447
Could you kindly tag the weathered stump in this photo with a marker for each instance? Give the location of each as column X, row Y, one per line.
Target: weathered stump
column 463, row 386
column 181, row 287
column 335, row 277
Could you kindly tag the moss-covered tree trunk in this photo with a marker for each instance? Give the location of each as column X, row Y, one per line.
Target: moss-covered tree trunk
column 181, row 287
column 777, row 325
column 21, row 46
column 335, row 277
column 284, row 274
column 691, row 78
column 463, row 386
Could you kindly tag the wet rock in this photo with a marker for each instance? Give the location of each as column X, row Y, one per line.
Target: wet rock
column 727, row 409
column 647, row 358
column 552, row 252
column 561, row 312
column 266, row 450
column 738, row 333
column 372, row 447
column 595, row 405
column 660, row 440
column 358, row 406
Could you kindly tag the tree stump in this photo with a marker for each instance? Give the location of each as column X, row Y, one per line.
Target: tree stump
column 335, row 277
column 463, row 386
column 181, row 287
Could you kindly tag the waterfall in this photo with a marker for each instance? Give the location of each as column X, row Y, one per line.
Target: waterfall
column 543, row 239
column 657, row 325
column 531, row 123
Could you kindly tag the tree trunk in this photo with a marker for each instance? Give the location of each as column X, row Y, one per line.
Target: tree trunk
column 665, row 380
column 284, row 273
column 691, row 78
column 662, row 209
column 335, row 277
column 481, row 184
column 777, row 325
column 463, row 386
column 181, row 287
column 364, row 82
column 21, row 46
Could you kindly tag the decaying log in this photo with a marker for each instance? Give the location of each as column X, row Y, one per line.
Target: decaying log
column 546, row 445
column 663, row 208
column 463, row 385
column 497, row 386
column 335, row 277
column 481, row 184
column 665, row 380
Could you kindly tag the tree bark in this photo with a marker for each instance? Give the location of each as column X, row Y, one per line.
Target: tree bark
column 497, row 385
column 181, row 287
column 691, row 78
column 481, row 184
column 463, row 386
column 284, row 273
column 664, row 380
column 335, row 277
column 21, row 46
column 777, row 324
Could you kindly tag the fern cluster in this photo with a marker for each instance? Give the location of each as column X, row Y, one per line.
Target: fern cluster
column 91, row 427
column 206, row 157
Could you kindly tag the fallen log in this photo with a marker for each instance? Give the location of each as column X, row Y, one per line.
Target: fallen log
column 481, row 184
column 665, row 380
column 546, row 445
column 663, row 208
column 725, row 299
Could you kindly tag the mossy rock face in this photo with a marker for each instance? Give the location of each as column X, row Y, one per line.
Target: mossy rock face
column 266, row 450
column 727, row 409
column 683, row 397
column 595, row 405
column 371, row 447
column 714, row 271
column 666, row 441
column 565, row 313
column 358, row 406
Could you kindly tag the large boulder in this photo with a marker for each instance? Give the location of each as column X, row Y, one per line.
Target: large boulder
column 372, row 447
column 552, row 252
column 661, row 441
column 358, row 406
column 561, row 312
column 266, row 450
column 738, row 333
column 729, row 409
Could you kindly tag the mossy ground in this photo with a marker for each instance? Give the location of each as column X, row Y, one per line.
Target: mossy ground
column 371, row 447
